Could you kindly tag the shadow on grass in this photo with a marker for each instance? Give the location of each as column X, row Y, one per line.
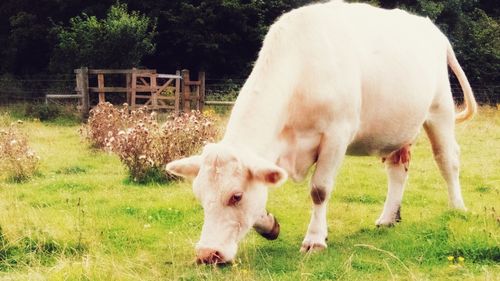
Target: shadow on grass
column 69, row 186
column 30, row 251
column 153, row 177
column 452, row 233
column 72, row 170
column 362, row 199
column 23, row 179
column 165, row 216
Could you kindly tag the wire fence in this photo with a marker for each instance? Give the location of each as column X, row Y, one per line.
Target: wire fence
column 34, row 89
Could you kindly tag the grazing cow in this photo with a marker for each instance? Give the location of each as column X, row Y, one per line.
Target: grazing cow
column 331, row 79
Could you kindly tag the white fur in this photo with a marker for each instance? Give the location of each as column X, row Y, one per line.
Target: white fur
column 334, row 79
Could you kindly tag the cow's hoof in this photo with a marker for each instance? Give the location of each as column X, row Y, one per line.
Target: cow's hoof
column 309, row 247
column 458, row 205
column 385, row 223
column 389, row 221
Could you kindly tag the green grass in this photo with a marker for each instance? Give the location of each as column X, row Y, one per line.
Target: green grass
column 80, row 219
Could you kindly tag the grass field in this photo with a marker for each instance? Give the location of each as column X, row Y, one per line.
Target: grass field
column 81, row 219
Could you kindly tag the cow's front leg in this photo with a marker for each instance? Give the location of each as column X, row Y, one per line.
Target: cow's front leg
column 331, row 154
column 267, row 226
column 397, row 165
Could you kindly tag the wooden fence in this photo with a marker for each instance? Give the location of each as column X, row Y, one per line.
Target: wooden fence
column 143, row 87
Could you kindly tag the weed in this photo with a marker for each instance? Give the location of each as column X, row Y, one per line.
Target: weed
column 5, row 119
column 144, row 146
column 104, row 122
column 17, row 160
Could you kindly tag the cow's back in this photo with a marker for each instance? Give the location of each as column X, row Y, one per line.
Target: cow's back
column 382, row 67
column 404, row 69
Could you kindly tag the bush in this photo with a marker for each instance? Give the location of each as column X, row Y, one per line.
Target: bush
column 144, row 146
column 104, row 122
column 138, row 147
column 44, row 112
column 17, row 160
column 10, row 87
column 61, row 114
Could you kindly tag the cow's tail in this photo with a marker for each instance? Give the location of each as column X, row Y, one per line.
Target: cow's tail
column 470, row 102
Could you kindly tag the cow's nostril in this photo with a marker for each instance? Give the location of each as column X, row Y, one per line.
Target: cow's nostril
column 209, row 256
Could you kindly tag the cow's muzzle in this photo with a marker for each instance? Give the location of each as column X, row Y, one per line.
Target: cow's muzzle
column 209, row 256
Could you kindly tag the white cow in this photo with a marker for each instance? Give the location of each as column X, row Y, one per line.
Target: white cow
column 331, row 79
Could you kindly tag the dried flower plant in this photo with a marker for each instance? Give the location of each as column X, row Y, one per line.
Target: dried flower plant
column 144, row 146
column 17, row 160
column 104, row 122
column 5, row 119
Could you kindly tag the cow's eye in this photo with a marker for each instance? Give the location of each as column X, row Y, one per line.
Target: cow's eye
column 235, row 199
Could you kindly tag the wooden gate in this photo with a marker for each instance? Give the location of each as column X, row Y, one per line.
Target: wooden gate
column 157, row 91
column 143, row 87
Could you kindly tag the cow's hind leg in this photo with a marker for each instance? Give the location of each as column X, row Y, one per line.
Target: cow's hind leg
column 331, row 153
column 440, row 127
column 396, row 164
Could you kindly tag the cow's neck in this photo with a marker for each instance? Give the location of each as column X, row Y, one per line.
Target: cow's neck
column 257, row 119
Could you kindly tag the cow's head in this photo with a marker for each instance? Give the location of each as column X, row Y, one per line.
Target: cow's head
column 232, row 187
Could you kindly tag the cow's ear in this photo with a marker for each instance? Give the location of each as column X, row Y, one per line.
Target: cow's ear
column 185, row 167
column 269, row 174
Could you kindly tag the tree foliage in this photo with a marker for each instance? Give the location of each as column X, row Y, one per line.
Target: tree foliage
column 222, row 37
column 120, row 40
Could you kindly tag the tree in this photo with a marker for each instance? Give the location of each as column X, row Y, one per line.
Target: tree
column 120, row 40
column 221, row 37
column 25, row 49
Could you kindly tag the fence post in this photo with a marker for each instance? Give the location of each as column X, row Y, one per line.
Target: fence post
column 100, row 85
column 201, row 101
column 78, row 79
column 84, row 91
column 128, row 86
column 177, row 92
column 133, row 91
column 186, row 90
column 154, row 91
